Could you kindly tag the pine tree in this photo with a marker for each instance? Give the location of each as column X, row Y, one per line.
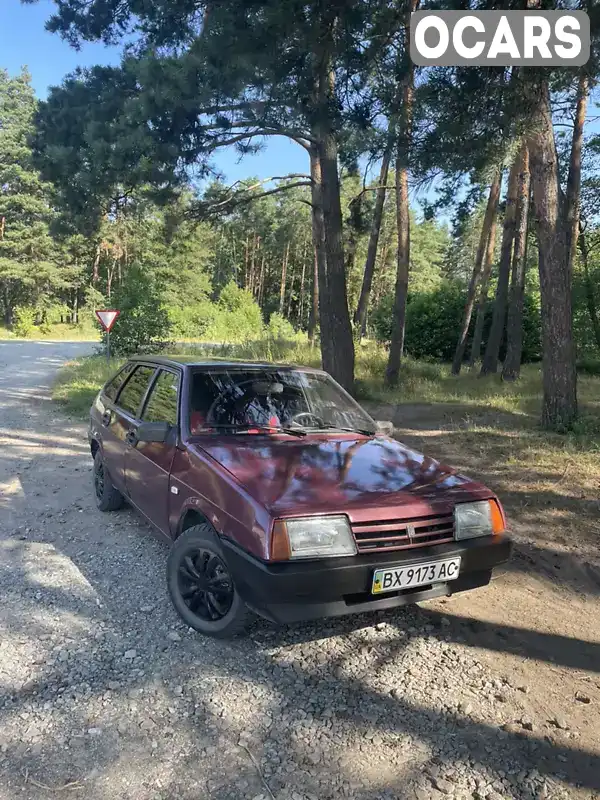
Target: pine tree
column 26, row 249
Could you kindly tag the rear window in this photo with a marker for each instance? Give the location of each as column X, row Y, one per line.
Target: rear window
column 134, row 390
column 112, row 387
column 162, row 404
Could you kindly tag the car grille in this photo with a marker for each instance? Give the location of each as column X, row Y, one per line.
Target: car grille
column 386, row 535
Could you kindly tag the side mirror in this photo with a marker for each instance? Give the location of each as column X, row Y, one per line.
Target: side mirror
column 153, row 431
column 384, row 427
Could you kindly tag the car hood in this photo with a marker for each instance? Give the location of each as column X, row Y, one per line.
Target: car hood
column 366, row 478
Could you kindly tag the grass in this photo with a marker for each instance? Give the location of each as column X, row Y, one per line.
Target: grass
column 490, row 430
column 475, row 400
column 78, row 382
column 59, row 332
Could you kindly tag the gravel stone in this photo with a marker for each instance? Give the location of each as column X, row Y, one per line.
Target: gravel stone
column 93, row 693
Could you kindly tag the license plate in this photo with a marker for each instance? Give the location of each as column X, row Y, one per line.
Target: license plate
column 396, row 578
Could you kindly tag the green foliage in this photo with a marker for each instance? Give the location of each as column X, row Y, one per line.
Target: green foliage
column 433, row 320
column 429, row 319
column 143, row 325
column 24, row 321
column 78, row 382
column 27, row 267
column 589, row 365
column 236, row 318
column 279, row 327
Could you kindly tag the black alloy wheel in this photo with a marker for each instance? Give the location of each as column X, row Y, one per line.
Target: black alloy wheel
column 205, row 584
column 201, row 586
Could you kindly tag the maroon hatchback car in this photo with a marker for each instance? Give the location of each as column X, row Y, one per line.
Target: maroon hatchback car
column 279, row 494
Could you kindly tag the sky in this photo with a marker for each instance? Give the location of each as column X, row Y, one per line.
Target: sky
column 25, row 42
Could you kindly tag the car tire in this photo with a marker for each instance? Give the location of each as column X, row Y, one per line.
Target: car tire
column 220, row 613
column 107, row 497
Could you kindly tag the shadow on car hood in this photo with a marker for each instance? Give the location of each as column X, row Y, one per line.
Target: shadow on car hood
column 365, row 478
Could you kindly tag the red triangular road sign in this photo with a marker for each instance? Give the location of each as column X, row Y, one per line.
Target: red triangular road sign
column 107, row 318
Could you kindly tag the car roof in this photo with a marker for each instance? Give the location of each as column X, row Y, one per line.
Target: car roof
column 194, row 361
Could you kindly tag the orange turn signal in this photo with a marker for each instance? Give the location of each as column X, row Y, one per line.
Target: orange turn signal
column 280, row 549
column 498, row 521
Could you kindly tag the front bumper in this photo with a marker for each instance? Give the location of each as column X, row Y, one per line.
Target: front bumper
column 301, row 590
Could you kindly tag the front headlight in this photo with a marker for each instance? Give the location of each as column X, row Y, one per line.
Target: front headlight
column 473, row 519
column 312, row 537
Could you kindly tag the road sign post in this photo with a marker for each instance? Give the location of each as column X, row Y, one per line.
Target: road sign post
column 106, row 318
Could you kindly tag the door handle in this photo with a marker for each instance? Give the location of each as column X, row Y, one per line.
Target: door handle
column 131, row 437
column 106, row 418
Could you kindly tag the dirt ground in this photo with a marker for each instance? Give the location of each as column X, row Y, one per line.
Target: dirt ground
column 490, row 695
column 539, row 620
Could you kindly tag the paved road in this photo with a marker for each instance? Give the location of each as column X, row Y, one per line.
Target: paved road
column 104, row 694
column 26, row 373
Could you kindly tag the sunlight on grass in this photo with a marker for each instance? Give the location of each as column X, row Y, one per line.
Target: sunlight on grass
column 60, row 332
column 420, row 383
column 78, row 382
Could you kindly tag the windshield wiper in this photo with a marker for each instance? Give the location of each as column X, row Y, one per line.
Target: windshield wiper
column 245, row 426
column 331, row 426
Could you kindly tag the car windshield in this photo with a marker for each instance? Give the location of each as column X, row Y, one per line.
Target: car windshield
column 259, row 400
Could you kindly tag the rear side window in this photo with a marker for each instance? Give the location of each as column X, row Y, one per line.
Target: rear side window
column 112, row 387
column 134, row 390
column 162, row 403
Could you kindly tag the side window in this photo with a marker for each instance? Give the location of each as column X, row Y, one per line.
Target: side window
column 132, row 393
column 112, row 387
column 161, row 405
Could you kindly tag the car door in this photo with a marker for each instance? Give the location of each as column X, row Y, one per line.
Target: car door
column 148, row 464
column 122, row 418
column 103, row 428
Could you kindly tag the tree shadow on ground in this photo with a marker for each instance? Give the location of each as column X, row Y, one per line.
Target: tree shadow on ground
column 357, row 701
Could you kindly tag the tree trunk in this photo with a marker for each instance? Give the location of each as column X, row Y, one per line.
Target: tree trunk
column 337, row 343
column 336, row 326
column 283, row 278
column 589, row 287
column 572, row 210
column 96, row 265
column 8, row 308
column 313, row 313
column 402, row 216
column 483, row 293
column 559, row 408
column 353, row 225
column 490, row 213
column 365, row 291
column 511, row 368
column 246, row 254
column 300, row 316
column 261, row 288
column 109, row 277
column 492, row 350
column 291, row 289
column 320, row 291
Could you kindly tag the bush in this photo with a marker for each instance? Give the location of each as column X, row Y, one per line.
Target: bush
column 143, row 325
column 24, row 321
column 433, row 321
column 280, row 328
column 236, row 316
column 588, row 365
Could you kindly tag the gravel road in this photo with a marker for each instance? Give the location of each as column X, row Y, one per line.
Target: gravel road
column 105, row 694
